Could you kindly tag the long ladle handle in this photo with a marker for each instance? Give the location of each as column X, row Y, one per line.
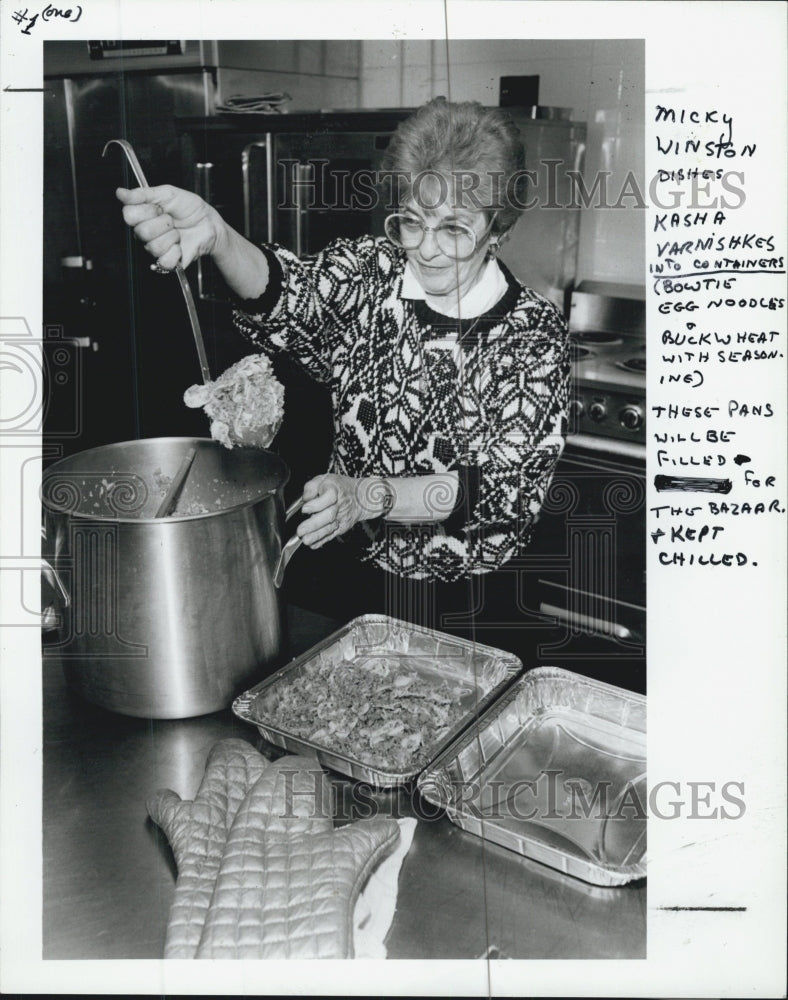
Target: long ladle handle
column 191, row 308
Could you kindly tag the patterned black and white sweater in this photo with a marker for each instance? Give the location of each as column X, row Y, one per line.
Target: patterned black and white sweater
column 409, row 401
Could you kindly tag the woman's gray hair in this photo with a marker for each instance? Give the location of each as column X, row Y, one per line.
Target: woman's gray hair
column 476, row 150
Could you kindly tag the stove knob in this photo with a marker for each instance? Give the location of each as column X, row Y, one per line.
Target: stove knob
column 597, row 411
column 576, row 409
column 631, row 417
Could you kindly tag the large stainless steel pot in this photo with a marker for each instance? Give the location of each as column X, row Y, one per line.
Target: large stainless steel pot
column 171, row 617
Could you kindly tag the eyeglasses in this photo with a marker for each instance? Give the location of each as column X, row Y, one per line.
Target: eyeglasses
column 454, row 239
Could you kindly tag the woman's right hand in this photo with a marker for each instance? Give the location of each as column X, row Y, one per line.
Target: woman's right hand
column 176, row 226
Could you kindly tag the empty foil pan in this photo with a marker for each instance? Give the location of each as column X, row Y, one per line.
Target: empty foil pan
column 555, row 770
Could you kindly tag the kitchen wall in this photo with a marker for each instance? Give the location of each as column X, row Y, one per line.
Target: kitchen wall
column 318, row 75
column 601, row 80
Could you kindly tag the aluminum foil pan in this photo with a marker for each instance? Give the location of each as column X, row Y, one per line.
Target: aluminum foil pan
column 555, row 770
column 474, row 674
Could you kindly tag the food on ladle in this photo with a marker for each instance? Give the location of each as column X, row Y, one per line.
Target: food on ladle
column 245, row 403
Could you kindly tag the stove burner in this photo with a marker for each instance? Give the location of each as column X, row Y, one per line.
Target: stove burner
column 577, row 353
column 633, row 365
column 599, row 337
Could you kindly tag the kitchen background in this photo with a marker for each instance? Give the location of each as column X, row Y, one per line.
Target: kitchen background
column 119, row 349
column 602, row 82
column 90, row 270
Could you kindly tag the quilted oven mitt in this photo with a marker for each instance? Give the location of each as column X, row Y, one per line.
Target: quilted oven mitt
column 288, row 881
column 197, row 832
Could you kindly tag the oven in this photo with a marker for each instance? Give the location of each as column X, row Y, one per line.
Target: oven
column 585, row 568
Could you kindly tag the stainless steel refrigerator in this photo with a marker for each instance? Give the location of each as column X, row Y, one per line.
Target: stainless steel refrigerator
column 105, row 313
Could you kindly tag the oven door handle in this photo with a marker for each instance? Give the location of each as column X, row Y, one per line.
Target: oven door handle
column 587, row 622
column 607, row 447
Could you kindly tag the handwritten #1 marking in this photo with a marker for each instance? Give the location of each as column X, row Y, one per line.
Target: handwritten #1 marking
column 20, row 17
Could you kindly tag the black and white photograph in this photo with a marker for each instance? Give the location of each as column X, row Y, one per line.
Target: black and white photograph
column 358, row 545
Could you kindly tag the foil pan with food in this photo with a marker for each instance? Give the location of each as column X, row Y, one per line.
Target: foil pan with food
column 556, row 771
column 378, row 699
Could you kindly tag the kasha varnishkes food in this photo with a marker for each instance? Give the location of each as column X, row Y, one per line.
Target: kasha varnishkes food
column 376, row 710
column 245, row 403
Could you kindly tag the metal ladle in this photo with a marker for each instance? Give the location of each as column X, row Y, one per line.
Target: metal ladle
column 134, row 163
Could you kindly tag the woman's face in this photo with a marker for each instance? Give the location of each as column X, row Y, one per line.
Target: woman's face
column 437, row 273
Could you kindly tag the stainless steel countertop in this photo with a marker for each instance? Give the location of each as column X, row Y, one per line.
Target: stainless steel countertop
column 109, row 874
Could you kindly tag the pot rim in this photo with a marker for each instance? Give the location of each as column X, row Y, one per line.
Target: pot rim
column 48, row 506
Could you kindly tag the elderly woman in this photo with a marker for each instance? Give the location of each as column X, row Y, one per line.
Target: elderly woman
column 448, row 377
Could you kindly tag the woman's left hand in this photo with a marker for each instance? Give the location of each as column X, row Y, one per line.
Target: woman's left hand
column 333, row 503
